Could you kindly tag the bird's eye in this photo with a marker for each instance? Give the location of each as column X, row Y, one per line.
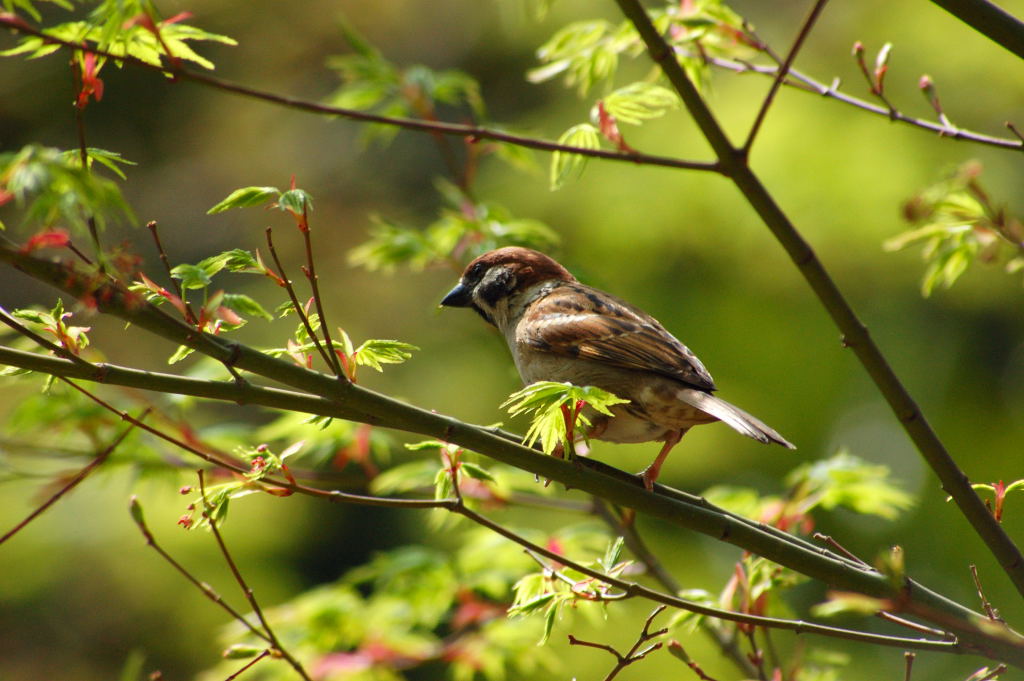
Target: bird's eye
column 476, row 270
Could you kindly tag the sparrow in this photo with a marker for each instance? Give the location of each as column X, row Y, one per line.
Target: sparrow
column 561, row 330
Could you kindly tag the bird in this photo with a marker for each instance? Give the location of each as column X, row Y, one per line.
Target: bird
column 559, row 329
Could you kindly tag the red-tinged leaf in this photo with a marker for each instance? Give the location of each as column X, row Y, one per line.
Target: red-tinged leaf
column 177, row 302
column 610, row 128
column 91, row 86
column 144, row 20
column 152, row 285
column 278, row 279
column 278, row 491
column 226, row 314
column 999, row 489
column 180, row 16
column 54, row 238
column 14, row 21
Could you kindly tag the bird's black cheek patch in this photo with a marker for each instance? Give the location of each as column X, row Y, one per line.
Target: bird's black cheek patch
column 492, row 290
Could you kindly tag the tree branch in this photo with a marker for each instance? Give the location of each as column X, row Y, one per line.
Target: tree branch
column 855, row 334
column 469, row 132
column 371, row 407
column 989, row 20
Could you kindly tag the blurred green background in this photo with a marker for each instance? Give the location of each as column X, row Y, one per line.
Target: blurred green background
column 79, row 591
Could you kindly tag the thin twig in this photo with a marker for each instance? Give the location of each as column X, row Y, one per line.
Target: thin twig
column 782, row 72
column 71, row 484
column 190, row 315
column 985, row 605
column 634, row 589
column 310, row 272
column 887, row 616
column 838, row 547
column 854, row 334
column 472, row 133
column 801, row 81
column 635, row 543
column 908, row 658
column 58, row 350
column 296, row 305
column 617, row 487
column 83, row 150
column 635, row 654
column 1016, row 132
column 677, row 650
column 204, row 588
column 78, row 252
column 756, row 655
column 247, row 665
column 244, row 586
column 626, row 586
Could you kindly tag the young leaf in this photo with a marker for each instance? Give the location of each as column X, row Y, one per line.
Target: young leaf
column 244, row 305
column 638, row 102
column 564, row 164
column 374, row 353
column 544, row 401
column 54, row 189
column 245, row 197
column 845, row 480
column 191, row 276
column 295, row 201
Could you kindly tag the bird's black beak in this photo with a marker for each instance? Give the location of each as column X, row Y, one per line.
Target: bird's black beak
column 460, row 296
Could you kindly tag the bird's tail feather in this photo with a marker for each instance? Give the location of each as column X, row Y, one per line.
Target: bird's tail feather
column 737, row 419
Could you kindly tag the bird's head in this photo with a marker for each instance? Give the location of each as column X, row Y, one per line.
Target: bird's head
column 491, row 280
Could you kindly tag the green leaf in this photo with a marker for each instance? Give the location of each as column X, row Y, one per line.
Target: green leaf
column 109, row 159
column 374, row 353
column 246, row 306
column 638, row 102
column 235, row 260
column 613, row 553
column 54, row 189
column 426, row 444
column 845, row 603
column 543, row 400
column 181, row 353
column 295, row 201
column 245, row 197
column 407, row 477
column 391, row 245
column 565, row 165
column 457, row 87
column 112, row 28
column 847, row 481
column 191, row 276
column 585, row 52
column 476, row 472
column 241, row 651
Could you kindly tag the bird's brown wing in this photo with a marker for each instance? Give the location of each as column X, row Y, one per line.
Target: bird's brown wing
column 578, row 321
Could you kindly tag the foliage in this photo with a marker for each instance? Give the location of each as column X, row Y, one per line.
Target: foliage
column 481, row 601
column 407, row 609
column 53, row 188
column 463, row 231
column 558, row 411
column 957, row 223
column 122, row 28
